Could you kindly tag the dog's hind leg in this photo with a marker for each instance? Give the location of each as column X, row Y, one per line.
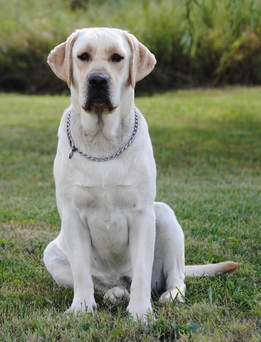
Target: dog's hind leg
column 169, row 259
column 58, row 265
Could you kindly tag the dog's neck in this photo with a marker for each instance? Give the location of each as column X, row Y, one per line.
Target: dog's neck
column 100, row 133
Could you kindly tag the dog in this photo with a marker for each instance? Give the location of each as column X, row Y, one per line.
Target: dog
column 114, row 237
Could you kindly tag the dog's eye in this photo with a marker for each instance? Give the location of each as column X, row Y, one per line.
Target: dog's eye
column 84, row 56
column 116, row 58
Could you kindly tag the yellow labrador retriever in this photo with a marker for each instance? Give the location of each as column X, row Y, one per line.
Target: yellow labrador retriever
column 114, row 236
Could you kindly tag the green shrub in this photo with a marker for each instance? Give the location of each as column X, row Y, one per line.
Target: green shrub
column 196, row 42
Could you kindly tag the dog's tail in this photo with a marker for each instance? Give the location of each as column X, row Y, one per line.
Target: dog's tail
column 211, row 269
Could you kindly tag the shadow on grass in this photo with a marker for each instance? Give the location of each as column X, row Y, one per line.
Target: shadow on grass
column 235, row 141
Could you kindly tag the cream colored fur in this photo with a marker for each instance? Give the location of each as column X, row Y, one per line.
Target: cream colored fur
column 114, row 236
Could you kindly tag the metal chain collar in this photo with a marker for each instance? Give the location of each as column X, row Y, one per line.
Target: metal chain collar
column 93, row 158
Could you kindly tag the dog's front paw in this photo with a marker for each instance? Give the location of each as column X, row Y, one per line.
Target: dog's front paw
column 81, row 305
column 173, row 294
column 141, row 312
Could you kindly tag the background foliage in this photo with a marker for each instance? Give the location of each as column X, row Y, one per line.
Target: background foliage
column 196, row 42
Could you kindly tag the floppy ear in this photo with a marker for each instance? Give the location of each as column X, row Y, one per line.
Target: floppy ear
column 142, row 61
column 60, row 59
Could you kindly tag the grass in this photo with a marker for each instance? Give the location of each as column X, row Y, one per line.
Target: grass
column 207, row 148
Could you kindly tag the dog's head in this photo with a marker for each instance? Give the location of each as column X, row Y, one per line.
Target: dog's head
column 99, row 64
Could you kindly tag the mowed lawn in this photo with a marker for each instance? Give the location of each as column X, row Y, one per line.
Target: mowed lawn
column 207, row 146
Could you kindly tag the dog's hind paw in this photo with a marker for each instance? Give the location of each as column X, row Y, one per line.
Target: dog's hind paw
column 116, row 293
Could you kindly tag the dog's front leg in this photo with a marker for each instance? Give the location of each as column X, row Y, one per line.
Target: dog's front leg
column 142, row 240
column 77, row 245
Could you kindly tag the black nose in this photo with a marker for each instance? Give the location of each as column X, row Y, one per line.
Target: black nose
column 97, row 80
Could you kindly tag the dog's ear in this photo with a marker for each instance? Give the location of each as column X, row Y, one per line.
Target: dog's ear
column 60, row 59
column 142, row 61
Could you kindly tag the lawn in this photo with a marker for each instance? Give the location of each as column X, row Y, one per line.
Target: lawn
column 207, row 145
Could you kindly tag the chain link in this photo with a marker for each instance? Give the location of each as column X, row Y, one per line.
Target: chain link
column 93, row 158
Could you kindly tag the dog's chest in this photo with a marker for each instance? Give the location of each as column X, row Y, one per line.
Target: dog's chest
column 106, row 204
column 106, row 209
column 107, row 192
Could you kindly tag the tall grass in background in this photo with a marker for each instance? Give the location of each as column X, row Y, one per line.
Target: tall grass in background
column 196, row 42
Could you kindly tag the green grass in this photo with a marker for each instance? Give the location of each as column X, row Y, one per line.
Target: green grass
column 207, row 147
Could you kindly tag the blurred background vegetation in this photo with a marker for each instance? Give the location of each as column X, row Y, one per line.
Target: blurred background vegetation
column 196, row 42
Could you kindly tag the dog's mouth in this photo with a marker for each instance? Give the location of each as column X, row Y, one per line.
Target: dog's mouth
column 98, row 101
column 98, row 105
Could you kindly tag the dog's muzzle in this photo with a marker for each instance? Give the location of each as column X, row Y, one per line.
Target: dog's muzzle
column 98, row 95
